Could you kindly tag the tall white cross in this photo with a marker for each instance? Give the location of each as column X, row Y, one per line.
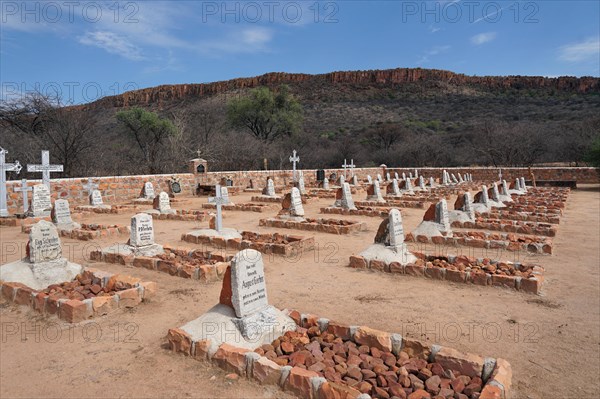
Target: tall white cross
column 198, row 152
column 24, row 189
column 347, row 165
column 293, row 159
column 45, row 168
column 90, row 186
column 218, row 200
column 5, row 167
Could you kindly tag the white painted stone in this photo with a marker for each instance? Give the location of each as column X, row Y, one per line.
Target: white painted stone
column 369, row 179
column 96, row 198
column 62, row 212
column 142, row 230
column 347, row 202
column 44, row 243
column 270, row 188
column 296, row 208
column 326, row 183
column 164, row 202
column 441, row 215
column 248, row 286
column 395, row 187
column 395, row 228
column 41, row 204
column 149, row 190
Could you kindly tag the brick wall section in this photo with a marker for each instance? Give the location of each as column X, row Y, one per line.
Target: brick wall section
column 120, row 189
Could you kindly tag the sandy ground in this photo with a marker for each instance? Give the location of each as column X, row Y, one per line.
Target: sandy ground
column 552, row 340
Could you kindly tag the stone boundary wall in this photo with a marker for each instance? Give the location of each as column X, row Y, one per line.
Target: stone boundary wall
column 120, row 189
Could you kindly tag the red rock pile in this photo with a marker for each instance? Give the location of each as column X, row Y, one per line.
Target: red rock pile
column 86, row 286
column 197, row 258
column 464, row 263
column 368, row 369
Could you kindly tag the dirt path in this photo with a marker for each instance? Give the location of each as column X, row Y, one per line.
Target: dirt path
column 552, row 341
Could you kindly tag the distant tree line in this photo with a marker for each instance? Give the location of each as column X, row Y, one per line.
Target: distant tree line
column 267, row 124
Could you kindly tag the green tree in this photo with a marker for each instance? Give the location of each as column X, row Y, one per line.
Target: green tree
column 266, row 115
column 149, row 131
column 593, row 155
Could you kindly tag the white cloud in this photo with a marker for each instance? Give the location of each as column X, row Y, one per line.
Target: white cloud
column 582, row 51
column 483, row 38
column 112, row 43
column 433, row 29
column 244, row 41
column 435, row 50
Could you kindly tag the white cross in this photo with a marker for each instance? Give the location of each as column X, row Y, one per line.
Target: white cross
column 90, row 186
column 24, row 189
column 5, row 167
column 45, row 168
column 218, row 200
column 198, row 152
column 293, row 159
column 348, row 165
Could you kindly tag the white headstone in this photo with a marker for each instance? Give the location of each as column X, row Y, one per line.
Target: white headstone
column 142, row 230
column 96, row 198
column 395, row 228
column 164, row 202
column 403, row 176
column 444, row 177
column 62, row 212
column 395, row 188
column 518, row 184
column 468, row 207
column 270, row 188
column 248, row 287
column 441, row 214
column 409, row 186
column 149, row 190
column 347, row 202
column 416, row 174
column 460, row 178
column 225, row 195
column 504, row 188
column 495, row 192
column 44, row 243
column 454, row 179
column 41, row 204
column 387, row 177
column 301, row 186
column 431, row 182
column 354, row 180
column 523, row 185
column 396, row 176
column 296, row 208
column 342, row 180
column 369, row 179
column 326, row 183
column 376, row 196
column 379, row 179
column 485, row 199
column 422, row 183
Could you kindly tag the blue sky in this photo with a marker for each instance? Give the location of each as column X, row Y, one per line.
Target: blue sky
column 86, row 50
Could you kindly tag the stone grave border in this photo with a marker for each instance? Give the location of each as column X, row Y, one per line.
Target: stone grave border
column 509, row 226
column 319, row 225
column 481, row 239
column 88, row 231
column 392, row 204
column 496, row 373
column 360, row 211
column 256, row 241
column 74, row 310
column 529, row 285
column 183, row 215
column 501, row 213
column 245, row 207
column 206, row 273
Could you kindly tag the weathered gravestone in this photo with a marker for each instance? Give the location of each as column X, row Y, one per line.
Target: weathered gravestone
column 44, row 264
column 41, row 204
column 142, row 231
column 296, row 208
column 431, row 182
column 149, row 191
column 243, row 317
column 342, row 180
column 225, row 195
column 354, row 180
column 463, row 209
column 369, row 179
column 300, row 184
column 494, row 193
column 396, row 176
column 389, row 243
column 326, row 183
column 162, row 203
column 374, row 192
column 269, row 190
column 395, row 190
column 441, row 214
column 387, row 177
column 422, row 183
column 343, row 197
column 61, row 215
column 408, row 186
column 96, row 198
column 436, row 221
column 523, row 185
column 379, row 179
